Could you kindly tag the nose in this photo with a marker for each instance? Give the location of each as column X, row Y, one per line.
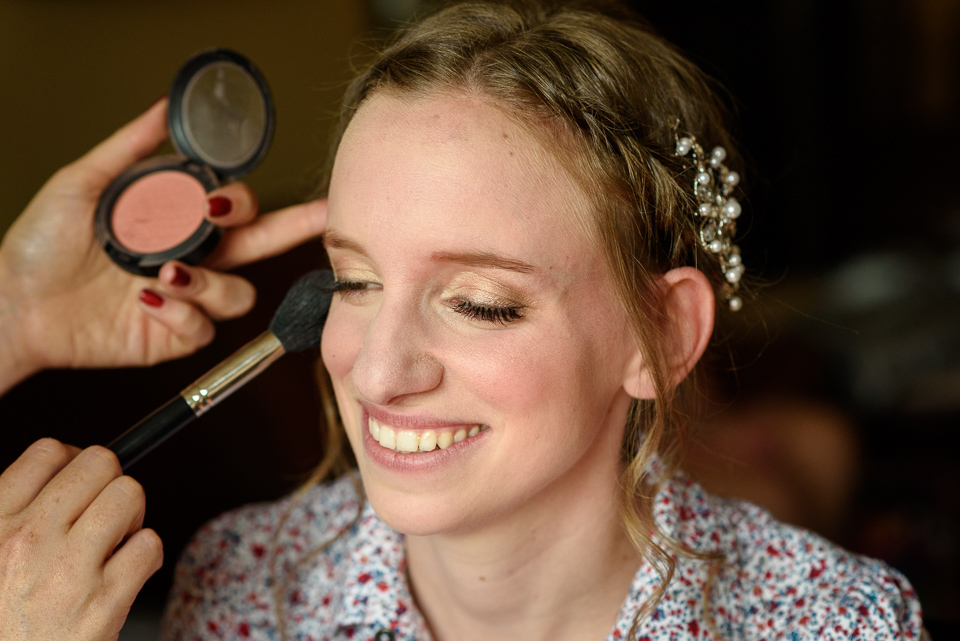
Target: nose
column 395, row 361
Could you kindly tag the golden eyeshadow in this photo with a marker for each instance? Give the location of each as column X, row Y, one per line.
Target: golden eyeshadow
column 485, row 291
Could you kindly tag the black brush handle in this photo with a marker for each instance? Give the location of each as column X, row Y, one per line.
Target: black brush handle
column 151, row 431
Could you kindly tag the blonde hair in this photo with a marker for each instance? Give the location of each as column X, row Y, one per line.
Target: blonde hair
column 609, row 97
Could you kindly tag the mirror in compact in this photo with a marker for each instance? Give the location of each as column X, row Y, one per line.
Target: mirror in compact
column 221, row 121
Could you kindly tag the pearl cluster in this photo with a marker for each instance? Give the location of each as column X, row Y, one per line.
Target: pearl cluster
column 718, row 211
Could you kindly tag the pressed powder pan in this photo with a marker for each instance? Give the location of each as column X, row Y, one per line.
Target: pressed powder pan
column 221, row 122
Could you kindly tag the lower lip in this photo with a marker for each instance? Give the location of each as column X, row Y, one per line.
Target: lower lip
column 416, row 461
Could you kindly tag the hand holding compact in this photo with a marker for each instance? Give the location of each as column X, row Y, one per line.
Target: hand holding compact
column 64, row 303
column 73, row 553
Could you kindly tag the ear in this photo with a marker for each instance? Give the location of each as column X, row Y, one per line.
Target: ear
column 687, row 299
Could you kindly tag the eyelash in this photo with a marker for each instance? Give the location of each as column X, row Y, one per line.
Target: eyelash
column 344, row 287
column 502, row 315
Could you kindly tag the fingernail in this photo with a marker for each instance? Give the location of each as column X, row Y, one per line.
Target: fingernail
column 180, row 277
column 151, row 298
column 219, row 206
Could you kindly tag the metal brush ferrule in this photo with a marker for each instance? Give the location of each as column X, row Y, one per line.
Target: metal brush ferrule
column 230, row 375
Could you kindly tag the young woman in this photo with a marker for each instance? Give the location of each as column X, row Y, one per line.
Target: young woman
column 521, row 218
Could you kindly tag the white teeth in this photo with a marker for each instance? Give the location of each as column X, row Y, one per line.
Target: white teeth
column 388, row 438
column 444, row 440
column 408, row 441
column 428, row 441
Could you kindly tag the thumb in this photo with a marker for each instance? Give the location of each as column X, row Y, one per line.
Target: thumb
column 132, row 142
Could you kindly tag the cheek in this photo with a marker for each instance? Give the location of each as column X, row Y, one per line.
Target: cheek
column 341, row 342
column 538, row 377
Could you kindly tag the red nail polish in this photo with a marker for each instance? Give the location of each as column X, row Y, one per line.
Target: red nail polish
column 151, row 298
column 180, row 277
column 219, row 206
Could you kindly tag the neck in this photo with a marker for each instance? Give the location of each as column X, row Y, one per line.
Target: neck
column 559, row 569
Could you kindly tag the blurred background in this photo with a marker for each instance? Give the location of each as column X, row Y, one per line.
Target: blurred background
column 831, row 399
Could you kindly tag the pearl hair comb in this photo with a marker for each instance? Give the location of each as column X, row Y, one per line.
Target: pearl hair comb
column 718, row 211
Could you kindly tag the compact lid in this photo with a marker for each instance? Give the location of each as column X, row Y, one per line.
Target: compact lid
column 221, row 112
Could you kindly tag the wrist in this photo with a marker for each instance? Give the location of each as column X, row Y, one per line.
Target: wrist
column 15, row 363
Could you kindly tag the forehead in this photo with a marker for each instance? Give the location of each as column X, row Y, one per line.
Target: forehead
column 455, row 158
column 442, row 121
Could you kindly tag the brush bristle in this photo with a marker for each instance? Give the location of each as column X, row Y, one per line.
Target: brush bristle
column 298, row 322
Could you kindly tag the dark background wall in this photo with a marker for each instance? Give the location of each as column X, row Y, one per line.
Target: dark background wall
column 848, row 112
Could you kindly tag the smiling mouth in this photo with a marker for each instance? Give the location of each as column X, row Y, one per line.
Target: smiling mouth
column 408, row 441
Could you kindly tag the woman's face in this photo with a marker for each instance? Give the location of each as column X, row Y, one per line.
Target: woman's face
column 475, row 324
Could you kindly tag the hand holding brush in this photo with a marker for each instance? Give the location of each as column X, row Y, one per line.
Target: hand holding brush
column 297, row 325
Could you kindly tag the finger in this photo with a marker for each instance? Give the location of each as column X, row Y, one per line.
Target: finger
column 130, row 566
column 26, row 477
column 231, row 206
column 75, row 487
column 220, row 296
column 269, row 235
column 135, row 140
column 115, row 513
column 189, row 328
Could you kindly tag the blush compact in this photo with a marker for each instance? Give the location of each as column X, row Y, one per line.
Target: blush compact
column 221, row 122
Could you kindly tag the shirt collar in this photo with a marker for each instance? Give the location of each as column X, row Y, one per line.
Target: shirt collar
column 376, row 592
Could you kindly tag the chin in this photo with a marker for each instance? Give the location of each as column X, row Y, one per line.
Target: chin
column 416, row 515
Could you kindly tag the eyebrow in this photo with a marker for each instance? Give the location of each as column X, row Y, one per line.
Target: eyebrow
column 333, row 240
column 485, row 259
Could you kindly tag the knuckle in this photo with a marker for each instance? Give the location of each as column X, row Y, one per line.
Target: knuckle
column 49, row 445
column 79, row 177
column 104, row 457
column 50, row 452
column 18, row 546
column 69, row 174
column 131, row 488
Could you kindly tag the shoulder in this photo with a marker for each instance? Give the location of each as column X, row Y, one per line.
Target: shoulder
column 238, row 540
column 775, row 577
column 224, row 576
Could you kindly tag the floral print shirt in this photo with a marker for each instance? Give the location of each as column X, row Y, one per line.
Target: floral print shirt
column 343, row 578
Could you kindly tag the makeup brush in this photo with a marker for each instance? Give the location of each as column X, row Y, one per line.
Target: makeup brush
column 297, row 325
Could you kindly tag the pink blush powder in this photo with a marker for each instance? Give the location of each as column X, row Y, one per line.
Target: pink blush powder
column 159, row 211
